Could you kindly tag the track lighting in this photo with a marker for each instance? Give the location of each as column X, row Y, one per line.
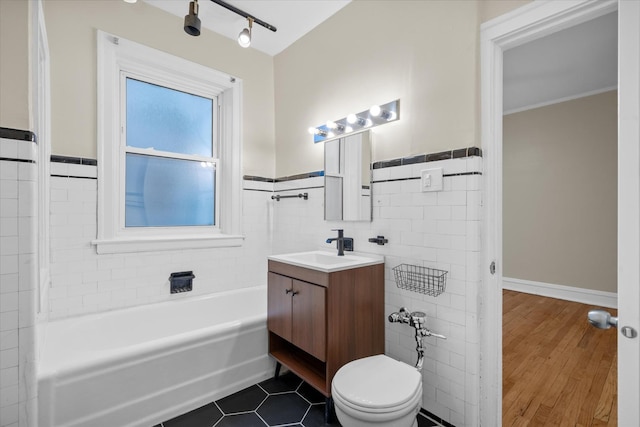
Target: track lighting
column 244, row 38
column 191, row 21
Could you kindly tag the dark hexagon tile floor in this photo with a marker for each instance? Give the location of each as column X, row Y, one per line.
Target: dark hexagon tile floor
column 287, row 401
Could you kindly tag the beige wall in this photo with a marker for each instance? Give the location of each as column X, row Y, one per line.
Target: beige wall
column 14, row 64
column 71, row 27
column 490, row 9
column 560, row 193
column 423, row 52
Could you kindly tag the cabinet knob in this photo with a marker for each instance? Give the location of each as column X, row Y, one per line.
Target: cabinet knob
column 295, row 293
column 288, row 291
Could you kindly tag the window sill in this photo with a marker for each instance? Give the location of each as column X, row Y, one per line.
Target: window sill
column 153, row 244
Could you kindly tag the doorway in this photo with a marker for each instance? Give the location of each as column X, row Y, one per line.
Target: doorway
column 529, row 23
column 559, row 142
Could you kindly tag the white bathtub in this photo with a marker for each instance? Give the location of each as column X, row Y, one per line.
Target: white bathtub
column 144, row 365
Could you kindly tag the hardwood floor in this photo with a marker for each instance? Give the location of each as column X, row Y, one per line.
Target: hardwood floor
column 557, row 369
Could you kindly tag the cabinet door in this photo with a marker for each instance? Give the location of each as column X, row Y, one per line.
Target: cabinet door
column 279, row 289
column 309, row 329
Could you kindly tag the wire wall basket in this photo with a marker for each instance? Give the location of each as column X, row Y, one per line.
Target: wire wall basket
column 424, row 280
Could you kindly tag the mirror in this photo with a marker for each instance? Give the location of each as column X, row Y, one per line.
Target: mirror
column 347, row 178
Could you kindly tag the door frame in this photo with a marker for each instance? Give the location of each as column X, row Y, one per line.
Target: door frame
column 520, row 26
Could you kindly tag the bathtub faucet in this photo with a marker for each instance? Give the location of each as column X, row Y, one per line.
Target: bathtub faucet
column 418, row 321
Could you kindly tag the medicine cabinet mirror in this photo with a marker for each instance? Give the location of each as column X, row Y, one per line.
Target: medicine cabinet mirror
column 347, row 178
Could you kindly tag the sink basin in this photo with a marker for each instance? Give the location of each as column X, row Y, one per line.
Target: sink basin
column 328, row 261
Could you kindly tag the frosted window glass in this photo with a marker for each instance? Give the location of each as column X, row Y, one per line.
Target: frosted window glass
column 168, row 120
column 163, row 192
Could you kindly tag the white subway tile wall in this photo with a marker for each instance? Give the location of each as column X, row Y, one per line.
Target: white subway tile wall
column 434, row 229
column 84, row 282
column 18, row 186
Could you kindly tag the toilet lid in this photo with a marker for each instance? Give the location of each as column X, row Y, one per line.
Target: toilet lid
column 377, row 382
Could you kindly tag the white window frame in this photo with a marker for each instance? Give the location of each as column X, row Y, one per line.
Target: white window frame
column 119, row 58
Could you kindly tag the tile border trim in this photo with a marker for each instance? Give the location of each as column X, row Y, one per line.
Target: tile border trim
column 447, row 175
column 432, row 157
column 74, row 160
column 10, row 159
column 73, row 176
column 18, row 134
column 435, row 418
column 410, row 160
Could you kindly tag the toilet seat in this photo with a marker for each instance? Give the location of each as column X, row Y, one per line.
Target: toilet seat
column 377, row 385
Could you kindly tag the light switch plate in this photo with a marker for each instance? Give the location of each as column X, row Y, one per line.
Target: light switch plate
column 431, row 179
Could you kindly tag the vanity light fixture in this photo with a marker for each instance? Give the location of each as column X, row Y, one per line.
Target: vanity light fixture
column 339, row 127
column 375, row 116
column 354, row 119
column 192, row 22
column 377, row 111
column 318, row 131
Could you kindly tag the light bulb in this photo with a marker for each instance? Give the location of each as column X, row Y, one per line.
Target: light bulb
column 352, row 118
column 130, row 1
column 244, row 38
column 332, row 125
column 375, row 110
column 313, row 131
column 348, row 129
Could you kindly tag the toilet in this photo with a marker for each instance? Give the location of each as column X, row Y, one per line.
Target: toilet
column 377, row 390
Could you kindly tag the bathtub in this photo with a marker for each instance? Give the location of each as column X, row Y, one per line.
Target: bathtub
column 144, row 365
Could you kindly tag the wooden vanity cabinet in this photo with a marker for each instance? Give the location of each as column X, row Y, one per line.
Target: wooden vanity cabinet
column 320, row 321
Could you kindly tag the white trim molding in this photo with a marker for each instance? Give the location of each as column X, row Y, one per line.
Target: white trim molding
column 560, row 100
column 116, row 56
column 567, row 293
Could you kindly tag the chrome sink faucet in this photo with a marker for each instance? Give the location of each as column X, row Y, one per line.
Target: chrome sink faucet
column 343, row 243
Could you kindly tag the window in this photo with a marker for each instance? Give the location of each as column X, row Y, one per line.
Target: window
column 169, row 156
column 168, row 151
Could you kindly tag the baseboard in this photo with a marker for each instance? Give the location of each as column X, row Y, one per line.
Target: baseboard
column 568, row 293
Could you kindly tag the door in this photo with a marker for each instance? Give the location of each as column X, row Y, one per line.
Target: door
column 628, row 211
column 522, row 25
column 279, row 305
column 308, row 315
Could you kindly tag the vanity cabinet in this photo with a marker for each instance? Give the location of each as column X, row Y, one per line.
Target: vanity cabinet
column 297, row 313
column 320, row 321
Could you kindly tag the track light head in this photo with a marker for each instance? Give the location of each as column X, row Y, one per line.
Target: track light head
column 191, row 21
column 244, row 38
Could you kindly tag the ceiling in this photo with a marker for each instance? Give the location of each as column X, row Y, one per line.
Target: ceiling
column 293, row 19
column 574, row 62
